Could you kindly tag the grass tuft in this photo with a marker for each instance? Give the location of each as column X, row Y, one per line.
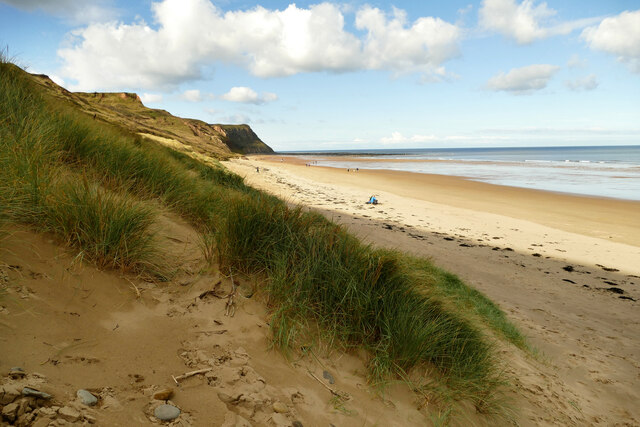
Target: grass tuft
column 111, row 229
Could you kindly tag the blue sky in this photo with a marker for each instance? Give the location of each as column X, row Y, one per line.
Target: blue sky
column 377, row 74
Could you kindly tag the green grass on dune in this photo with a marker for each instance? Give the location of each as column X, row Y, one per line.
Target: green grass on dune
column 94, row 184
column 464, row 298
column 113, row 229
column 360, row 296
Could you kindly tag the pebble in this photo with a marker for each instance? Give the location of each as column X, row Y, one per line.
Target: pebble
column 28, row 391
column 296, row 423
column 86, row 397
column 166, row 412
column 67, row 413
column 280, row 408
column 224, row 397
column 163, row 394
column 16, row 372
column 328, row 377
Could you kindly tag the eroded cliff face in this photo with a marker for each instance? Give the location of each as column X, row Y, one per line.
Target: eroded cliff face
column 126, row 110
column 242, row 139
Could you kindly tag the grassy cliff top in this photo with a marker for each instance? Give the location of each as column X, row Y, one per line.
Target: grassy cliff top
column 126, row 110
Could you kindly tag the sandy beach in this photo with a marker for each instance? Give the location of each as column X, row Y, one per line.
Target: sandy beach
column 565, row 268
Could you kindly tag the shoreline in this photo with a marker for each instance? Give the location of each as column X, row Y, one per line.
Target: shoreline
column 575, row 296
column 581, row 229
column 600, row 180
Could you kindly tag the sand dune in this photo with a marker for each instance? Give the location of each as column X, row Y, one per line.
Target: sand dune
column 70, row 326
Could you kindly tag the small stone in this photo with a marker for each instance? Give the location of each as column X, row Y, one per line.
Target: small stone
column 16, row 372
column 86, row 397
column 67, row 413
column 297, row 423
column 9, row 412
column 90, row 418
column 328, row 377
column 28, row 391
column 163, row 394
column 224, row 397
column 166, row 412
column 280, row 408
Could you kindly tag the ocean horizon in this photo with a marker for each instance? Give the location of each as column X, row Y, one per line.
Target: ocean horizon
column 600, row 171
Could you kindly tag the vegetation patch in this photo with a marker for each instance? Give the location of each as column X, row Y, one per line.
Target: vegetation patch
column 97, row 185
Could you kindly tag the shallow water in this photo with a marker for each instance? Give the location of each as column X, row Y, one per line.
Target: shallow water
column 593, row 171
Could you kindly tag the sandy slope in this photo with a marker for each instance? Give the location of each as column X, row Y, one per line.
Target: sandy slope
column 72, row 326
column 516, row 246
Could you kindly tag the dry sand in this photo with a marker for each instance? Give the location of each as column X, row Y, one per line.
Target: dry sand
column 70, row 326
column 565, row 268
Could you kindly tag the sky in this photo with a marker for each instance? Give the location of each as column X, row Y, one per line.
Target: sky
column 355, row 74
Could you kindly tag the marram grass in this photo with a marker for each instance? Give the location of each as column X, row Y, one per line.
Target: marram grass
column 114, row 230
column 93, row 184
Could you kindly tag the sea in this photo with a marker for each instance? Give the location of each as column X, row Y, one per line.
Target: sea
column 600, row 171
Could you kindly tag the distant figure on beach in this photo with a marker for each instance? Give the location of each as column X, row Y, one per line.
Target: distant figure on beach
column 372, row 200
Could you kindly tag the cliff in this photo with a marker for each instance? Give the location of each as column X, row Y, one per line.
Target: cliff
column 193, row 136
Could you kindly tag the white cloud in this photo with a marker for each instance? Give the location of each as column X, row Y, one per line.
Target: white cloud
column 589, row 82
column 269, row 97
column 78, row 12
column 151, row 98
column 236, row 119
column 399, row 138
column 248, row 96
column 525, row 22
column 576, row 62
column 190, row 34
column 523, row 80
column 392, row 44
column 54, row 77
column 618, row 35
column 57, row 80
column 192, row 95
